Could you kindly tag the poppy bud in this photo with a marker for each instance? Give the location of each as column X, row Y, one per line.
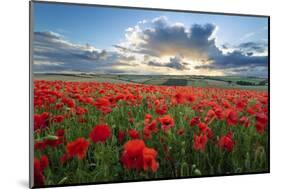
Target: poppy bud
column 197, row 172
column 51, row 137
column 184, row 169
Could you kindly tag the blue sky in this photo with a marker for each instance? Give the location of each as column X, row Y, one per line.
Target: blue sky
column 105, row 30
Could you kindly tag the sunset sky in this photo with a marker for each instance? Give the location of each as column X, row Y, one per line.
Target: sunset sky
column 73, row 38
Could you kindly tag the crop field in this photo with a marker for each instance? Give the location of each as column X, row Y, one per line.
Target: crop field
column 98, row 129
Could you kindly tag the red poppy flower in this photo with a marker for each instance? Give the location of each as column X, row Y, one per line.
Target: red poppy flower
column 58, row 106
column 191, row 98
column 211, row 113
column 260, row 127
column 60, row 132
column 161, row 109
column 81, row 110
column 41, row 121
column 146, row 133
column 166, row 122
column 241, row 104
column 133, row 133
column 103, row 104
column 149, row 159
column 120, row 97
column 226, row 104
column 39, row 145
column 152, row 126
column 194, row 121
column 232, row 117
column 39, row 166
column 262, row 118
column 261, row 122
column 131, row 120
column 147, row 118
column 121, row 135
column 64, row 158
column 58, row 118
column 244, row 121
column 100, row 133
column 209, row 132
column 39, row 179
column 202, row 126
column 105, row 109
column 77, row 148
column 132, row 156
column 44, row 162
column 200, row 142
column 226, row 142
column 219, row 113
column 69, row 102
column 178, row 99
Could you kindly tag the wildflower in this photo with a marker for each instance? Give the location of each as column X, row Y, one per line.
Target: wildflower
column 200, row 142
column 161, row 109
column 132, row 156
column 194, row 121
column 149, row 159
column 166, row 122
column 39, row 166
column 41, row 121
column 77, row 148
column 133, row 133
column 261, row 122
column 121, row 135
column 244, row 121
column 232, row 117
column 100, row 133
column 226, row 142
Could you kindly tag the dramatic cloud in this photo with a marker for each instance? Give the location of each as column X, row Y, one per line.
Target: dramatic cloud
column 164, row 39
column 196, row 44
column 154, row 46
column 175, row 63
column 53, row 53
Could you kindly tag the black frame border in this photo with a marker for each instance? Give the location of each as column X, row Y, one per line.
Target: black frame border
column 31, row 144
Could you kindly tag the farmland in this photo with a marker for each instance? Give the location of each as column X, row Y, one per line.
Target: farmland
column 167, row 80
column 98, row 128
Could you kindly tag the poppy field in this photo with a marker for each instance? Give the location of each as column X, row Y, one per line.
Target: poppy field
column 90, row 132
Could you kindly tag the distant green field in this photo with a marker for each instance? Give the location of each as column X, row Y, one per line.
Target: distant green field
column 198, row 81
column 78, row 78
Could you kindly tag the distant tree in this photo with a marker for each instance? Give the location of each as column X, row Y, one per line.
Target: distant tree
column 244, row 83
column 264, row 82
